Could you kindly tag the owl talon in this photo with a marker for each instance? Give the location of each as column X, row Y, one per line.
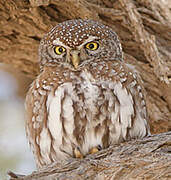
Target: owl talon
column 77, row 153
column 95, row 149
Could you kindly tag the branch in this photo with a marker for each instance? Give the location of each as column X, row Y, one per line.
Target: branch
column 145, row 158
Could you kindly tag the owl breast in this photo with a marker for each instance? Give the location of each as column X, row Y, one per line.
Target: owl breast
column 87, row 113
column 82, row 110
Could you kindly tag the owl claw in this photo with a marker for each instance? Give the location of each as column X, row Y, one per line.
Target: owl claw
column 77, row 153
column 95, row 149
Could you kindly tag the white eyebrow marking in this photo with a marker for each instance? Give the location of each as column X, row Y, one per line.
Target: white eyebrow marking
column 90, row 38
column 57, row 42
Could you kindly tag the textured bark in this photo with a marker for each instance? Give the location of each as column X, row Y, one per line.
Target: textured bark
column 148, row 158
column 144, row 28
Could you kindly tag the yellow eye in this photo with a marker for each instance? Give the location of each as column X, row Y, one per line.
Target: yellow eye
column 59, row 50
column 92, row 46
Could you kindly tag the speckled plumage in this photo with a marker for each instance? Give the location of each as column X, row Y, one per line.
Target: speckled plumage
column 99, row 103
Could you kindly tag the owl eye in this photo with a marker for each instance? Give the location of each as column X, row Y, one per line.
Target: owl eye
column 92, row 46
column 59, row 50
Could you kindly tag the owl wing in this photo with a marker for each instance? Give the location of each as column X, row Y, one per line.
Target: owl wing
column 132, row 119
column 44, row 127
column 36, row 119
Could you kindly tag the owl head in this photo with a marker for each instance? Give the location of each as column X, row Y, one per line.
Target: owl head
column 76, row 43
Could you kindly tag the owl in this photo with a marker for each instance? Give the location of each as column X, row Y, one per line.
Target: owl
column 86, row 97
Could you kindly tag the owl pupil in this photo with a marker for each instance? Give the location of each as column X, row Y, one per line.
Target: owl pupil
column 91, row 46
column 60, row 49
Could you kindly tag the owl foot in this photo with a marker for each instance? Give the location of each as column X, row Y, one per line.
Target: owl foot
column 77, row 153
column 95, row 149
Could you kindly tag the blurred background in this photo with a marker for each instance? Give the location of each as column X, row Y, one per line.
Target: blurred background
column 15, row 153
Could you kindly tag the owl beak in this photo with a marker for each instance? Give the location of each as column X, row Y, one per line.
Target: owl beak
column 75, row 58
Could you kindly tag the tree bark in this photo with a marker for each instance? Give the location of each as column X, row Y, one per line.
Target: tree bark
column 148, row 158
column 144, row 28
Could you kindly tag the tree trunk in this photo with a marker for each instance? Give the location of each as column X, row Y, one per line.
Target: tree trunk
column 144, row 28
column 148, row 158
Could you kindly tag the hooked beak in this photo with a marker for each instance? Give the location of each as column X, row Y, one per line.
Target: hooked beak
column 75, row 58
